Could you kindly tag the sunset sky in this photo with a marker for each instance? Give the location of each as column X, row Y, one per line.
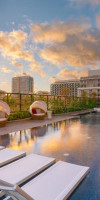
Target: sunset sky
column 48, row 39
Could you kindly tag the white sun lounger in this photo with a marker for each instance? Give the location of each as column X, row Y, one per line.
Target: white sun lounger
column 56, row 183
column 9, row 155
column 21, row 170
column 1, row 147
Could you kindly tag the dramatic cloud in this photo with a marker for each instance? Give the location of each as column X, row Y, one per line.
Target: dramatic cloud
column 72, row 44
column 13, row 47
column 73, row 74
column 39, row 71
column 17, row 64
column 6, row 70
column 57, row 31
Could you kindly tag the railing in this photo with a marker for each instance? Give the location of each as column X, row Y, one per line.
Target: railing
column 22, row 102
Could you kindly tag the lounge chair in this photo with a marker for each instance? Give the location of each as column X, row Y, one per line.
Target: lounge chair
column 1, row 147
column 38, row 110
column 4, row 113
column 56, row 183
column 22, row 170
column 9, row 155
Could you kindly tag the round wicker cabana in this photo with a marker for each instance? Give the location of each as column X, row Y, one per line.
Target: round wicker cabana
column 4, row 113
column 38, row 110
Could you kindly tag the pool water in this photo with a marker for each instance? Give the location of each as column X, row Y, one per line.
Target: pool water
column 76, row 141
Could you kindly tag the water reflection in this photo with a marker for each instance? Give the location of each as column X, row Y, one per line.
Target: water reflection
column 76, row 141
column 39, row 131
column 5, row 140
column 58, row 139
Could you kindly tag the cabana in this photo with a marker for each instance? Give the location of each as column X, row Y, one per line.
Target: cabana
column 38, row 110
column 4, row 113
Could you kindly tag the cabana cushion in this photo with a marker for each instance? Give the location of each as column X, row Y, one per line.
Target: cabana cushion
column 40, row 114
column 38, row 111
column 34, row 111
column 2, row 119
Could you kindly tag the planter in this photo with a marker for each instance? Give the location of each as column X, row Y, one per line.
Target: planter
column 49, row 114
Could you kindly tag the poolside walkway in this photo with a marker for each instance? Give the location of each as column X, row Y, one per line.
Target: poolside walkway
column 25, row 124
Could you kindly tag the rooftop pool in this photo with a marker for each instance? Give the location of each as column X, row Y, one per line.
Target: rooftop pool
column 76, row 141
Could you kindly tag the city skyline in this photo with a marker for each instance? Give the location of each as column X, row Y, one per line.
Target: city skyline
column 50, row 40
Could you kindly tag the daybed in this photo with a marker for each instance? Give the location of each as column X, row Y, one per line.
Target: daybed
column 38, row 110
column 4, row 113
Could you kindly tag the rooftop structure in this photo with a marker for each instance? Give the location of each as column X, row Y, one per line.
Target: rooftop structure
column 95, row 72
column 43, row 93
column 90, row 84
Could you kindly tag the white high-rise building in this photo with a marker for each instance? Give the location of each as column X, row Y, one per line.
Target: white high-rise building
column 22, row 84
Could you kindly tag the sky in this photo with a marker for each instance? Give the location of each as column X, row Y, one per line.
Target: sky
column 48, row 39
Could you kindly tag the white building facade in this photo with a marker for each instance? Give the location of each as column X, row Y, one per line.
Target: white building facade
column 57, row 87
column 90, row 84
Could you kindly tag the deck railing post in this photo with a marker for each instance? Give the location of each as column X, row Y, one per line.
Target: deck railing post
column 31, row 98
column 47, row 102
column 7, row 99
column 20, row 105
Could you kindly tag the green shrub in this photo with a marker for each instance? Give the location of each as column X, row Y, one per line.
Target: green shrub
column 19, row 115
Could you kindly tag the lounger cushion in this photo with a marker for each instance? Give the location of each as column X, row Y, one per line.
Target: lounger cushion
column 38, row 111
column 34, row 111
column 40, row 114
column 23, row 169
column 9, row 155
column 2, row 119
column 1, row 147
column 57, row 182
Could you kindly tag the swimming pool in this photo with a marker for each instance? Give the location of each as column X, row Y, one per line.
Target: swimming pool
column 76, row 141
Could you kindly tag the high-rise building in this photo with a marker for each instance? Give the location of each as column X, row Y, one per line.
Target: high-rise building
column 90, row 84
column 61, row 87
column 22, row 84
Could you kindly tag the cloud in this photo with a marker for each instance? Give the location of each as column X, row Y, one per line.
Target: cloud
column 17, row 64
column 79, row 45
column 71, row 74
column 5, row 83
column 13, row 23
column 83, row 2
column 36, row 89
column 39, row 71
column 53, row 79
column 6, row 70
column 13, row 47
column 57, row 31
column 18, row 36
column 98, row 21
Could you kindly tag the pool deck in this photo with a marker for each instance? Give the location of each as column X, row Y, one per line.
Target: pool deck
column 28, row 123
